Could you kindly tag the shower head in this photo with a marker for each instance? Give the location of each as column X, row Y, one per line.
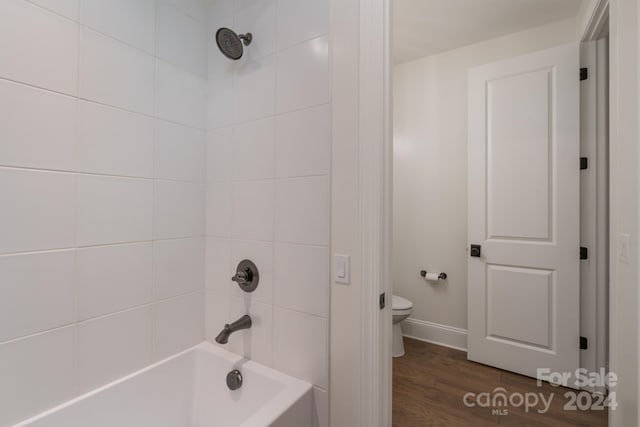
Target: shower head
column 231, row 44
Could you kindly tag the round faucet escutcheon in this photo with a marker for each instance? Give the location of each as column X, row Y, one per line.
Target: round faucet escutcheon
column 247, row 276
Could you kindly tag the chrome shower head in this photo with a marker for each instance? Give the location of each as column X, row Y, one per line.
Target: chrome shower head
column 231, row 44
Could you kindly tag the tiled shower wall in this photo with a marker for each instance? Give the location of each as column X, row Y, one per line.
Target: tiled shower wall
column 268, row 185
column 102, row 192
column 104, row 167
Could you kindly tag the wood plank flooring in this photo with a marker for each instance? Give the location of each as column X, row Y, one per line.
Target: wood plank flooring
column 430, row 381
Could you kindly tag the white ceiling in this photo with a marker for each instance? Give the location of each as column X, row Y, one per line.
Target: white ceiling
column 426, row 27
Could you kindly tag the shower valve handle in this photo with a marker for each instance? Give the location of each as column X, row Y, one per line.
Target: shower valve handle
column 243, row 276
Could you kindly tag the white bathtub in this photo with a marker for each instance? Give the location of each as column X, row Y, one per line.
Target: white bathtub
column 189, row 390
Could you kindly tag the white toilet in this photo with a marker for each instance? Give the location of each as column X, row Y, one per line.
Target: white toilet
column 402, row 309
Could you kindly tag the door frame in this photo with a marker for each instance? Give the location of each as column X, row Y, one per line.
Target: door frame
column 375, row 158
column 595, row 302
column 375, row 186
column 594, row 212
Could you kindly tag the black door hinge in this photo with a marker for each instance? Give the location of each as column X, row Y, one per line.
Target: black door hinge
column 383, row 300
column 584, row 343
column 584, row 74
column 584, row 253
column 584, row 163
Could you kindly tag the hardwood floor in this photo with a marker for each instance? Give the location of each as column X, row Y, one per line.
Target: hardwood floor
column 430, row 382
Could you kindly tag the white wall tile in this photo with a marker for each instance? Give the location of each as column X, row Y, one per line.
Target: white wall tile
column 300, row 346
column 180, row 96
column 37, row 374
column 218, row 264
column 114, row 142
column 253, row 149
column 240, row 5
column 254, row 89
column 220, row 100
column 259, row 19
column 302, row 210
column 179, row 324
column 36, row 293
column 303, row 143
column 254, row 343
column 218, row 313
column 261, row 253
column 295, row 85
column 113, row 346
column 47, row 57
column 113, row 278
column 124, row 194
column 116, row 74
column 37, row 128
column 300, row 20
column 67, row 8
column 132, row 22
column 303, row 75
column 220, row 10
column 219, row 155
column 182, row 40
column 178, row 267
column 195, row 8
column 252, row 210
column 180, row 152
column 179, row 209
column 114, row 210
column 301, row 278
column 37, row 210
column 219, row 196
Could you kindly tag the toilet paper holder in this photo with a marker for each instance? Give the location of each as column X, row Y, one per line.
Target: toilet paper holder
column 441, row 276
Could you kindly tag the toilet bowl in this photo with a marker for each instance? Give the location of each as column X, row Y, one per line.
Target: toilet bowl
column 402, row 309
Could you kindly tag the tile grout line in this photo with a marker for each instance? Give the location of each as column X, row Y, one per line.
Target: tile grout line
column 79, row 99
column 100, row 246
column 207, row 152
column 76, row 290
column 76, row 325
column 153, row 308
column 275, row 196
column 97, row 174
column 269, row 116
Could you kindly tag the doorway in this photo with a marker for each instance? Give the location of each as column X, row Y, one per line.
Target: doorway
column 515, row 203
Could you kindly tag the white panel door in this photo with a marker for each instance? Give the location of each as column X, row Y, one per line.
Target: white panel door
column 524, row 290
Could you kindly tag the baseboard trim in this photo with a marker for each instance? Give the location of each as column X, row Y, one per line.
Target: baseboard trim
column 435, row 333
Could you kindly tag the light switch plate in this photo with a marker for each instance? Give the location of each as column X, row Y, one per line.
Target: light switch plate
column 624, row 243
column 342, row 269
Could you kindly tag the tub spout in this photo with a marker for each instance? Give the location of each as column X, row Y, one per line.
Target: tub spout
column 242, row 323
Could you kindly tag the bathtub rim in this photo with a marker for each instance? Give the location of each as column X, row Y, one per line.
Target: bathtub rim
column 294, row 388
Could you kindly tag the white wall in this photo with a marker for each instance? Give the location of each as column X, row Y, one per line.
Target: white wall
column 102, row 177
column 346, row 300
column 430, row 177
column 268, row 185
column 624, row 160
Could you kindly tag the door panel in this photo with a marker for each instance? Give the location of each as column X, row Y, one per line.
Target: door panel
column 518, row 149
column 523, row 296
column 519, row 302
